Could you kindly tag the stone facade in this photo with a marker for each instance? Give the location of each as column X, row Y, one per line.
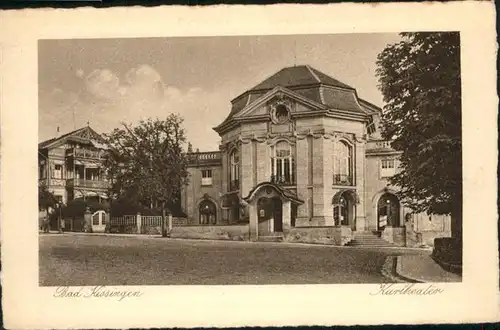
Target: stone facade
column 301, row 157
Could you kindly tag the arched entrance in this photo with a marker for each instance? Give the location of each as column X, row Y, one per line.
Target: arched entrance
column 277, row 215
column 99, row 221
column 207, row 212
column 271, row 209
column 270, row 214
column 344, row 210
column 388, row 211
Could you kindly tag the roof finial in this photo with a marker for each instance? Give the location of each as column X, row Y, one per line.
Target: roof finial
column 88, row 124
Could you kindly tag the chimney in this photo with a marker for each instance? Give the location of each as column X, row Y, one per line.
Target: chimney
column 57, row 132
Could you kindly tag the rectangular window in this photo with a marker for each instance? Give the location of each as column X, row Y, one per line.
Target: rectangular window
column 57, row 172
column 387, row 168
column 206, row 177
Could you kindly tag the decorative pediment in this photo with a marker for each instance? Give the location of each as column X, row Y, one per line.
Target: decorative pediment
column 278, row 98
column 85, row 135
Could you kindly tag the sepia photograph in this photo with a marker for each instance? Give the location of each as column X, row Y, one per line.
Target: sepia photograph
column 290, row 159
column 238, row 166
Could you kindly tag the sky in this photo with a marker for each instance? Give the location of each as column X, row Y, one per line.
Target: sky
column 106, row 82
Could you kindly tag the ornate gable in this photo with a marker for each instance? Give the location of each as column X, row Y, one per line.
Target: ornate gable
column 84, row 135
column 277, row 104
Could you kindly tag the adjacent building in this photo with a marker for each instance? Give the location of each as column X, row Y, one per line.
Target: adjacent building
column 70, row 165
column 301, row 155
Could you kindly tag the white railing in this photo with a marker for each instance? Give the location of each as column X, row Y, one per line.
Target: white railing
column 126, row 220
column 87, row 183
column 145, row 221
column 152, row 221
column 209, row 155
column 379, row 145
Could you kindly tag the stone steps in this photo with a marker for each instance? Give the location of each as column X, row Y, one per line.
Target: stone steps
column 271, row 238
column 368, row 239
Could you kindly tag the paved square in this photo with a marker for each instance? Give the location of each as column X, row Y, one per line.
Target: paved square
column 79, row 259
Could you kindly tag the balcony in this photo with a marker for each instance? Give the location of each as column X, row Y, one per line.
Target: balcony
column 285, row 180
column 92, row 184
column 52, row 182
column 85, row 153
column 342, row 180
column 380, row 146
column 211, row 157
column 206, row 181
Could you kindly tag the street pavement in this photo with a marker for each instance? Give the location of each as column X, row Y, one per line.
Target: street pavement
column 422, row 268
column 77, row 259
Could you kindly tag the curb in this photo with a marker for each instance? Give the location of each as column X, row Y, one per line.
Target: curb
column 72, row 233
column 398, row 272
column 228, row 240
column 388, row 270
column 452, row 268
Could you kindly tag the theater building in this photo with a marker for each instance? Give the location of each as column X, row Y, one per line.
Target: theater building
column 301, row 159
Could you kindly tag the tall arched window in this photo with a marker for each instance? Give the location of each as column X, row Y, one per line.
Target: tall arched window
column 208, row 213
column 342, row 164
column 282, row 163
column 234, row 170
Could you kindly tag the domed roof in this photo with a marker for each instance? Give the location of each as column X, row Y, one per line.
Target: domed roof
column 301, row 75
column 309, row 83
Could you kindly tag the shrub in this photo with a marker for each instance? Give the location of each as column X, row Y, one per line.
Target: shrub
column 76, row 208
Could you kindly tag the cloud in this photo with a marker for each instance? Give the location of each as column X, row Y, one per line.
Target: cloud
column 139, row 95
column 80, row 73
column 103, row 84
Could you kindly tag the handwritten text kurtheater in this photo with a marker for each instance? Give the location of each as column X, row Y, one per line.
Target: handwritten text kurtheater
column 95, row 292
column 411, row 289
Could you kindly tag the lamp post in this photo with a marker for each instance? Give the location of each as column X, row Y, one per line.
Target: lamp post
column 389, row 217
column 59, row 220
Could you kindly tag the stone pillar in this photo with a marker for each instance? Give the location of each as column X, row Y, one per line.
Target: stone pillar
column 87, row 217
column 303, row 164
column 318, row 193
column 262, row 163
column 246, row 165
column 287, row 216
column 107, row 220
column 359, row 168
column 139, row 223
column 170, row 223
column 254, row 223
column 327, row 155
column 225, row 215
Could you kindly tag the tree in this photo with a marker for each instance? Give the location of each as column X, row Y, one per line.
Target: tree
column 146, row 163
column 46, row 199
column 420, row 81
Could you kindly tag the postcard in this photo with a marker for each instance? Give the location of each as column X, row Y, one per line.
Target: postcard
column 227, row 166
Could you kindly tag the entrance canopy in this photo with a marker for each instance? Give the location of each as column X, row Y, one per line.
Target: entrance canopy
column 350, row 193
column 269, row 188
